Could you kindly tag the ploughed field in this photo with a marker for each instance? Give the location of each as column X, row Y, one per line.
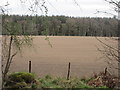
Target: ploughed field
column 80, row 51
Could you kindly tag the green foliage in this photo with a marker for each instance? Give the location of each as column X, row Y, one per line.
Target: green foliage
column 20, row 79
column 86, row 80
column 27, row 80
column 18, row 42
column 48, row 77
column 18, row 85
column 57, row 82
column 22, row 76
column 60, row 26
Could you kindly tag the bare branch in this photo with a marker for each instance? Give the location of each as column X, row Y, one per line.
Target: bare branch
column 106, row 44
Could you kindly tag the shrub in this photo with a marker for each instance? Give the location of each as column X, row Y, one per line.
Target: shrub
column 20, row 79
column 19, row 85
column 22, row 76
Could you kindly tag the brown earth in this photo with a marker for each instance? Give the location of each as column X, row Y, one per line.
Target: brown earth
column 80, row 51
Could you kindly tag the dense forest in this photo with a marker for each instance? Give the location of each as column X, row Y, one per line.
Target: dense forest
column 59, row 26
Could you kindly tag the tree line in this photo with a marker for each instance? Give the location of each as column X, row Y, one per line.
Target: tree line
column 59, row 25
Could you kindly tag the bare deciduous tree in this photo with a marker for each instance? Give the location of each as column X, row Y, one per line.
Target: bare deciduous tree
column 13, row 42
column 112, row 53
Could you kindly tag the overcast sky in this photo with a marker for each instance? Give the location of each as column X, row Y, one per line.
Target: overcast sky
column 83, row 8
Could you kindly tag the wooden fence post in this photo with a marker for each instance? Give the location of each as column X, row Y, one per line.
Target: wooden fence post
column 29, row 66
column 105, row 71
column 68, row 74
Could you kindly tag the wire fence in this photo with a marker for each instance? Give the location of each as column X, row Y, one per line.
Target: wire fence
column 58, row 68
column 65, row 69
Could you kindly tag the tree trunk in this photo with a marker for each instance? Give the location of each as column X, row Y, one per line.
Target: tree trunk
column 8, row 60
column 119, row 40
column 0, row 52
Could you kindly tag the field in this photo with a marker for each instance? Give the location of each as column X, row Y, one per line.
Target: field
column 80, row 51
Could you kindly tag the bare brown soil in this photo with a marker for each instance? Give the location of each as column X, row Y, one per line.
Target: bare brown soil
column 80, row 51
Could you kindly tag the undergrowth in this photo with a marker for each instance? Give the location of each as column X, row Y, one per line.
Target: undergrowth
column 21, row 80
